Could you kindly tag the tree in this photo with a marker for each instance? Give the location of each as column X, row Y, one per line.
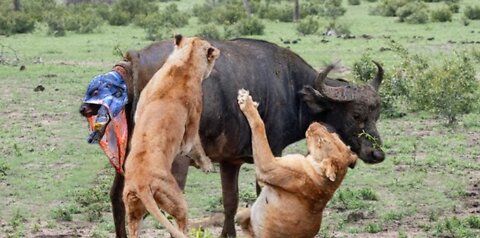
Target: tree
column 16, row 5
column 333, row 9
column 248, row 10
column 296, row 10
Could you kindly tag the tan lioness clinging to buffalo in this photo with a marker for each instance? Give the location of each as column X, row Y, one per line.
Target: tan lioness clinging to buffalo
column 296, row 187
column 167, row 122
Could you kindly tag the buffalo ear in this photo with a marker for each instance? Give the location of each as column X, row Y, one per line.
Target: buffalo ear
column 314, row 100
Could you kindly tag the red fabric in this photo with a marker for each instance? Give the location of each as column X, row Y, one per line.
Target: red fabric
column 114, row 141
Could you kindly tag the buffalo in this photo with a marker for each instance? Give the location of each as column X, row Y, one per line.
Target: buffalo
column 291, row 96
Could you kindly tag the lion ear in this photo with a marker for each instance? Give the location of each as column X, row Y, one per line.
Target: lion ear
column 212, row 53
column 178, row 39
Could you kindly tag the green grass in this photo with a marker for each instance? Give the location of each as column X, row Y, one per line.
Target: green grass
column 47, row 170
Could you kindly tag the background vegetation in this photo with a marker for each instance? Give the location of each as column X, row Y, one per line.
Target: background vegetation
column 53, row 183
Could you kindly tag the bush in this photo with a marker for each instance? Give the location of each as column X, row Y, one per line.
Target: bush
column 310, row 9
column 283, row 14
column 364, row 70
column 332, row 10
column 308, row 26
column 472, row 12
column 135, row 8
column 169, row 17
column 388, row 8
column 354, row 2
column 56, row 23
column 204, row 13
column 413, row 12
column 155, row 29
column 12, row 22
column 443, row 14
column 118, row 17
column 454, row 7
column 250, row 26
column 39, row 9
column 209, row 31
column 82, row 20
column 229, row 13
column 158, row 25
column 448, row 89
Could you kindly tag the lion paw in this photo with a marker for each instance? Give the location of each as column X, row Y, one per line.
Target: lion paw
column 203, row 163
column 245, row 101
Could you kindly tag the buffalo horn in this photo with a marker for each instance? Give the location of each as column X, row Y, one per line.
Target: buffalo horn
column 340, row 94
column 378, row 78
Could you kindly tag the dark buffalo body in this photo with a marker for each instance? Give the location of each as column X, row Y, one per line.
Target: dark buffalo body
column 291, row 96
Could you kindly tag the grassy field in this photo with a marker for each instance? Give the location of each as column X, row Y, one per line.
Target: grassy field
column 53, row 184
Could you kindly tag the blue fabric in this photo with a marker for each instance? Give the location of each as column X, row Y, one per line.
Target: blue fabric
column 108, row 90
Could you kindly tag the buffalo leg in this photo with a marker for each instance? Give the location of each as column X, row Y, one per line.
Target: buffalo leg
column 229, row 175
column 180, row 169
column 118, row 208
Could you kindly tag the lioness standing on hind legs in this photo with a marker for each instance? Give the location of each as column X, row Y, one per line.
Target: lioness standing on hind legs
column 167, row 122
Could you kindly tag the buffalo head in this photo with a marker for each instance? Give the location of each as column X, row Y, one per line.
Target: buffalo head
column 352, row 110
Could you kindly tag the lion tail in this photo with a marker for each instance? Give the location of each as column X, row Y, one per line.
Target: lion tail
column 151, row 206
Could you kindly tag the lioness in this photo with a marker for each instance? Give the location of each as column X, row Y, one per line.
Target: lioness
column 296, row 187
column 167, row 121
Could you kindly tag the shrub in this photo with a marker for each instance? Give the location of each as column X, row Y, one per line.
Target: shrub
column 448, row 89
column 203, row 12
column 274, row 13
column 310, row 9
column 229, row 13
column 250, row 26
column 56, row 23
column 454, row 7
column 82, row 20
column 442, row 14
column 413, row 12
column 332, row 10
column 209, row 31
column 308, row 26
column 158, row 24
column 13, row 22
column 364, row 69
column 472, row 12
column 156, row 31
column 118, row 17
column 354, row 2
column 169, row 17
column 388, row 8
column 39, row 9
column 135, row 8
column 173, row 16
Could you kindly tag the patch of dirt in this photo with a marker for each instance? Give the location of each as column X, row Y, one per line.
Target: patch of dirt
column 79, row 63
column 472, row 193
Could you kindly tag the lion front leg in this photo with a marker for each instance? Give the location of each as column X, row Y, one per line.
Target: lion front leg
column 200, row 159
column 262, row 154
